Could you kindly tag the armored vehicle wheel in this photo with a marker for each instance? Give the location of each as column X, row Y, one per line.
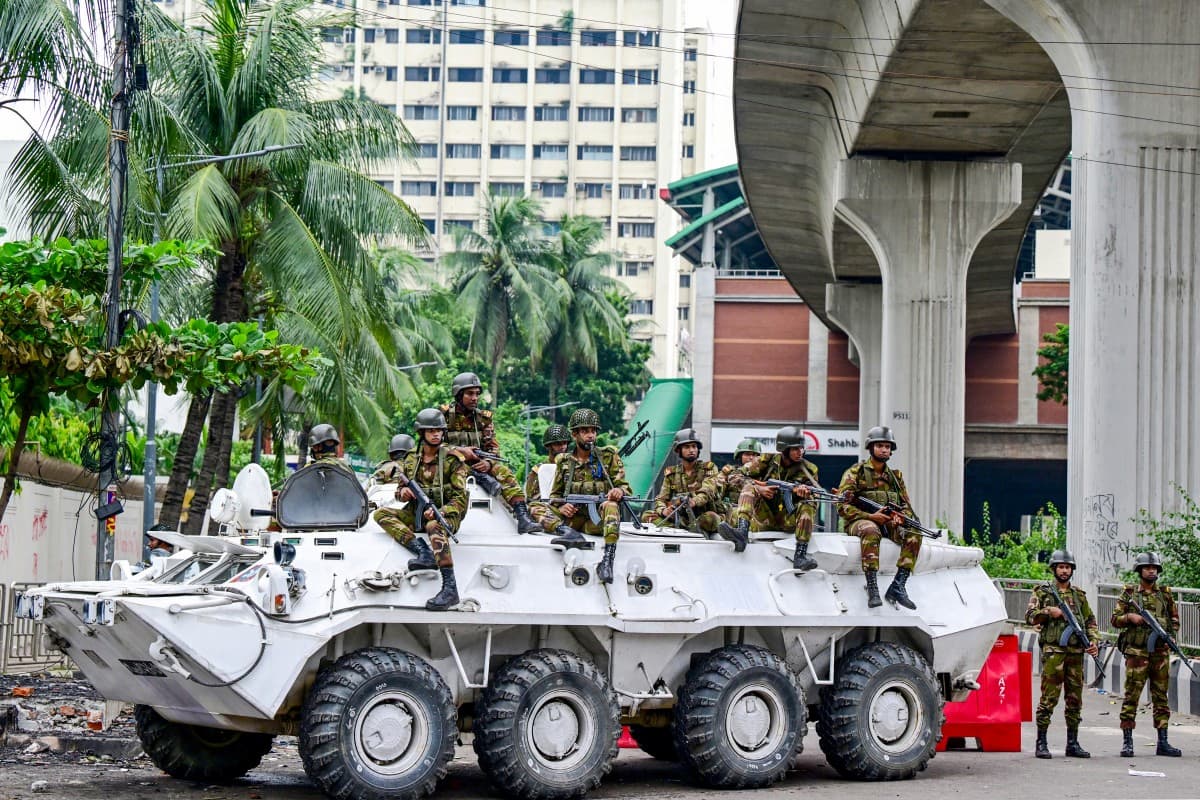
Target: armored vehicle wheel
column 196, row 753
column 379, row 723
column 657, row 742
column 738, row 718
column 882, row 718
column 547, row 727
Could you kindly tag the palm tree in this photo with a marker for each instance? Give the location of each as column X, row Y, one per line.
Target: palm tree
column 44, row 53
column 588, row 313
column 502, row 283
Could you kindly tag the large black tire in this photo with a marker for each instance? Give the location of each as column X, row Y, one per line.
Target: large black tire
column 738, row 718
column 657, row 742
column 380, row 723
column 196, row 753
column 547, row 726
column 882, row 718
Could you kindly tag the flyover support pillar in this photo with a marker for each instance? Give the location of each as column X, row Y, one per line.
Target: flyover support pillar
column 857, row 308
column 923, row 220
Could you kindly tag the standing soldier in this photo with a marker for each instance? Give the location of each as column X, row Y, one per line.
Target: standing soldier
column 1061, row 665
column 467, row 431
column 388, row 472
column 555, row 441
column 588, row 469
column 691, row 483
column 1134, row 643
column 729, row 482
column 873, row 479
column 760, row 509
column 443, row 476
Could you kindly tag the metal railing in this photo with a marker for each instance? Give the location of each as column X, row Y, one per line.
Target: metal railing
column 21, row 648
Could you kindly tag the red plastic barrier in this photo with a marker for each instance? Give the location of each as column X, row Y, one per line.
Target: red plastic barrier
column 993, row 713
column 626, row 740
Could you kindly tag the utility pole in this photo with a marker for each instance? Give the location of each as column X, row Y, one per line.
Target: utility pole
column 150, row 459
column 118, row 168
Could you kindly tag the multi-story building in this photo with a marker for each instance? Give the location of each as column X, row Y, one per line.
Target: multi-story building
column 589, row 107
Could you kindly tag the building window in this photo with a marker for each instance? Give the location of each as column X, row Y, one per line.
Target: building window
column 631, row 269
column 508, row 113
column 556, row 189
column 418, row 188
column 594, row 76
column 689, row 151
column 550, row 152
column 635, row 230
column 392, row 36
column 506, row 189
column 550, row 114
column 596, row 114
column 420, row 74
column 685, row 281
column 427, row 150
column 689, row 54
column 642, row 77
column 551, row 227
column 689, row 119
column 590, row 191
column 386, row 185
column 511, row 151
column 333, row 35
column 512, row 38
column 460, row 188
column 420, row 112
column 641, row 306
column 462, row 113
column 424, row 2
column 639, row 115
column 554, row 38
column 478, row 3
column 689, row 87
column 595, row 152
column 597, row 38
column 556, row 75
column 462, row 151
column 430, row 225
column 369, row 36
column 684, row 313
column 640, row 153
column 637, row 191
column 641, row 38
column 504, row 75
column 451, row 224
column 391, row 72
column 465, row 75
column 422, row 36
column 466, row 37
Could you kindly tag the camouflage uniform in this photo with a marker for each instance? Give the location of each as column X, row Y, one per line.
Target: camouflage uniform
column 388, row 472
column 882, row 487
column 463, row 430
column 1141, row 665
column 1061, row 666
column 700, row 485
column 729, row 486
column 602, row 471
column 445, row 481
column 772, row 515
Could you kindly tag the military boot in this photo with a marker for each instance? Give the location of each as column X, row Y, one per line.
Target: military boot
column 896, row 592
column 1164, row 747
column 1074, row 749
column 740, row 536
column 424, row 556
column 525, row 523
column 1041, row 749
column 873, row 600
column 448, row 596
column 1127, row 743
column 568, row 537
column 604, row 570
column 800, row 559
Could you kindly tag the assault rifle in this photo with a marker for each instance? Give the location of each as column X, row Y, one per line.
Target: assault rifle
column 814, row 492
column 635, row 440
column 1074, row 629
column 678, row 505
column 912, row 523
column 592, row 503
column 484, row 454
column 423, row 502
column 1157, row 633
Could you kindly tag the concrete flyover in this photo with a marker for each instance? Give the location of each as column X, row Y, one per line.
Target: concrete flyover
column 906, row 144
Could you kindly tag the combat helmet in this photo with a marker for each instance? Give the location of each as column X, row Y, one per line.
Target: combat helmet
column 880, row 433
column 583, row 418
column 401, row 443
column 463, row 381
column 322, row 434
column 747, row 446
column 687, row 436
column 1061, row 556
column 789, row 436
column 1147, row 559
column 430, row 419
column 556, row 434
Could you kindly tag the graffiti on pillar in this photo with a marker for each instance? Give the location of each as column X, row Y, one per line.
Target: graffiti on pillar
column 1107, row 553
column 41, row 522
column 3, row 541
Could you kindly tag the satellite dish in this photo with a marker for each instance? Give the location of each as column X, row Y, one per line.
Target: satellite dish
column 253, row 489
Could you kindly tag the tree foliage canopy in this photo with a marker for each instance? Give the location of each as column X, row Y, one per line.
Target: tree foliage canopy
column 1051, row 370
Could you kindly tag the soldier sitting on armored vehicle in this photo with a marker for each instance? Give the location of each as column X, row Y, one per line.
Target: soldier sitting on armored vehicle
column 389, row 471
column 589, row 470
column 442, row 474
column 323, row 444
column 466, row 423
column 759, row 508
column 731, row 479
column 689, row 489
column 873, row 479
column 555, row 441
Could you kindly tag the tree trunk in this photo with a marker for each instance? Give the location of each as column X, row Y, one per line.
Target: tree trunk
column 302, row 439
column 218, row 422
column 14, row 458
column 181, row 470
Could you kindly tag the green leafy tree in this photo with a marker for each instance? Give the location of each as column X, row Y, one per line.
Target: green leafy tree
column 1011, row 555
column 1051, row 370
column 1175, row 536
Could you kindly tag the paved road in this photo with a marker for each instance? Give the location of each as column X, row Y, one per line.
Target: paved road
column 957, row 774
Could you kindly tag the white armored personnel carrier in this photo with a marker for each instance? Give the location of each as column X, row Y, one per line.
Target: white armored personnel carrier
column 715, row 658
